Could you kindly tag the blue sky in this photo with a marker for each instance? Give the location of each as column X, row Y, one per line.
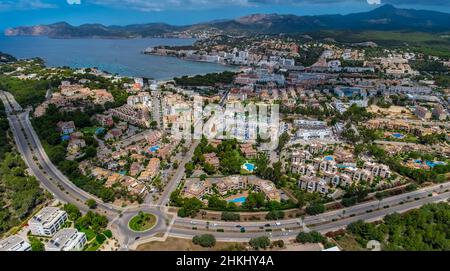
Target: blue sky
column 109, row 12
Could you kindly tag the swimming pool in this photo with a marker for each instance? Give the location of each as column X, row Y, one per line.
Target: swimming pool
column 430, row 163
column 99, row 131
column 154, row 148
column 65, row 137
column 249, row 167
column 329, row 158
column 435, row 163
column 238, row 200
column 398, row 135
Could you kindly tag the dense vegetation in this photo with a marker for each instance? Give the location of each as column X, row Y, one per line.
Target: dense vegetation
column 56, row 149
column 309, row 57
column 268, row 172
column 210, row 79
column 27, row 92
column 443, row 80
column 423, row 229
column 36, row 244
column 4, row 126
column 428, row 66
column 205, row 240
column 229, row 216
column 436, row 174
column 261, row 242
column 19, row 193
column 420, row 42
column 229, row 155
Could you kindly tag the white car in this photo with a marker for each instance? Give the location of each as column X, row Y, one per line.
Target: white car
column 278, row 224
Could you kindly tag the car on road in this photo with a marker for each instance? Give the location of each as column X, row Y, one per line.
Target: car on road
column 278, row 224
column 193, row 222
column 267, row 225
column 242, row 229
column 238, row 226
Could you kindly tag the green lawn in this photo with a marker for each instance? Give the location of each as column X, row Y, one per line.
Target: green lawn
column 90, row 234
column 89, row 130
column 142, row 222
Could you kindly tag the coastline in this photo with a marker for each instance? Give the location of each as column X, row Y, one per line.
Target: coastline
column 116, row 56
column 195, row 61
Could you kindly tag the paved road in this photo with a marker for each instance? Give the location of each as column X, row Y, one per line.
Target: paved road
column 52, row 179
column 284, row 231
column 173, row 183
column 353, row 211
column 40, row 165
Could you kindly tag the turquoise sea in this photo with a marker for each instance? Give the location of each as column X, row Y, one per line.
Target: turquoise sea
column 121, row 56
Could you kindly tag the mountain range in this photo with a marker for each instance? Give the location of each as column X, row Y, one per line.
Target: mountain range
column 384, row 18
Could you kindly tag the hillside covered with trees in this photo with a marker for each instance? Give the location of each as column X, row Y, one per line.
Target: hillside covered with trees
column 424, row 229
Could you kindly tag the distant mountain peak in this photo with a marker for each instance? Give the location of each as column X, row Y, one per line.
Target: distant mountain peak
column 383, row 18
column 257, row 17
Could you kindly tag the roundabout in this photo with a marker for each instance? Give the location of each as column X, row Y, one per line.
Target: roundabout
column 142, row 222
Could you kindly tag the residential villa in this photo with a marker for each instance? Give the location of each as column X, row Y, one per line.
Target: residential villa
column 197, row 188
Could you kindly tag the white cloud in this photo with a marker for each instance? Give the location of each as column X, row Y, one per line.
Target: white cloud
column 25, row 4
column 374, row 2
column 159, row 5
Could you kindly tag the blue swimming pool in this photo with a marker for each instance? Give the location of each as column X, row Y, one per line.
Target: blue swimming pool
column 99, row 131
column 65, row 137
column 430, row 163
column 249, row 167
column 238, row 200
column 435, row 163
column 154, row 148
column 398, row 135
column 329, row 158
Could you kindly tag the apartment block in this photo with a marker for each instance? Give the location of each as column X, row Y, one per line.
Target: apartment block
column 67, row 240
column 47, row 222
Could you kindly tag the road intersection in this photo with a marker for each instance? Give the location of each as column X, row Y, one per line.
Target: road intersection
column 168, row 224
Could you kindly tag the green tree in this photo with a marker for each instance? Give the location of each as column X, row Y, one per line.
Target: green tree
column 315, row 208
column 217, row 203
column 255, row 200
column 230, row 216
column 73, row 211
column 205, row 240
column 275, row 215
column 261, row 242
column 36, row 244
column 190, row 207
column 310, row 237
column 91, row 203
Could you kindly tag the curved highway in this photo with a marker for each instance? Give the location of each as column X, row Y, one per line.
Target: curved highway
column 62, row 188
